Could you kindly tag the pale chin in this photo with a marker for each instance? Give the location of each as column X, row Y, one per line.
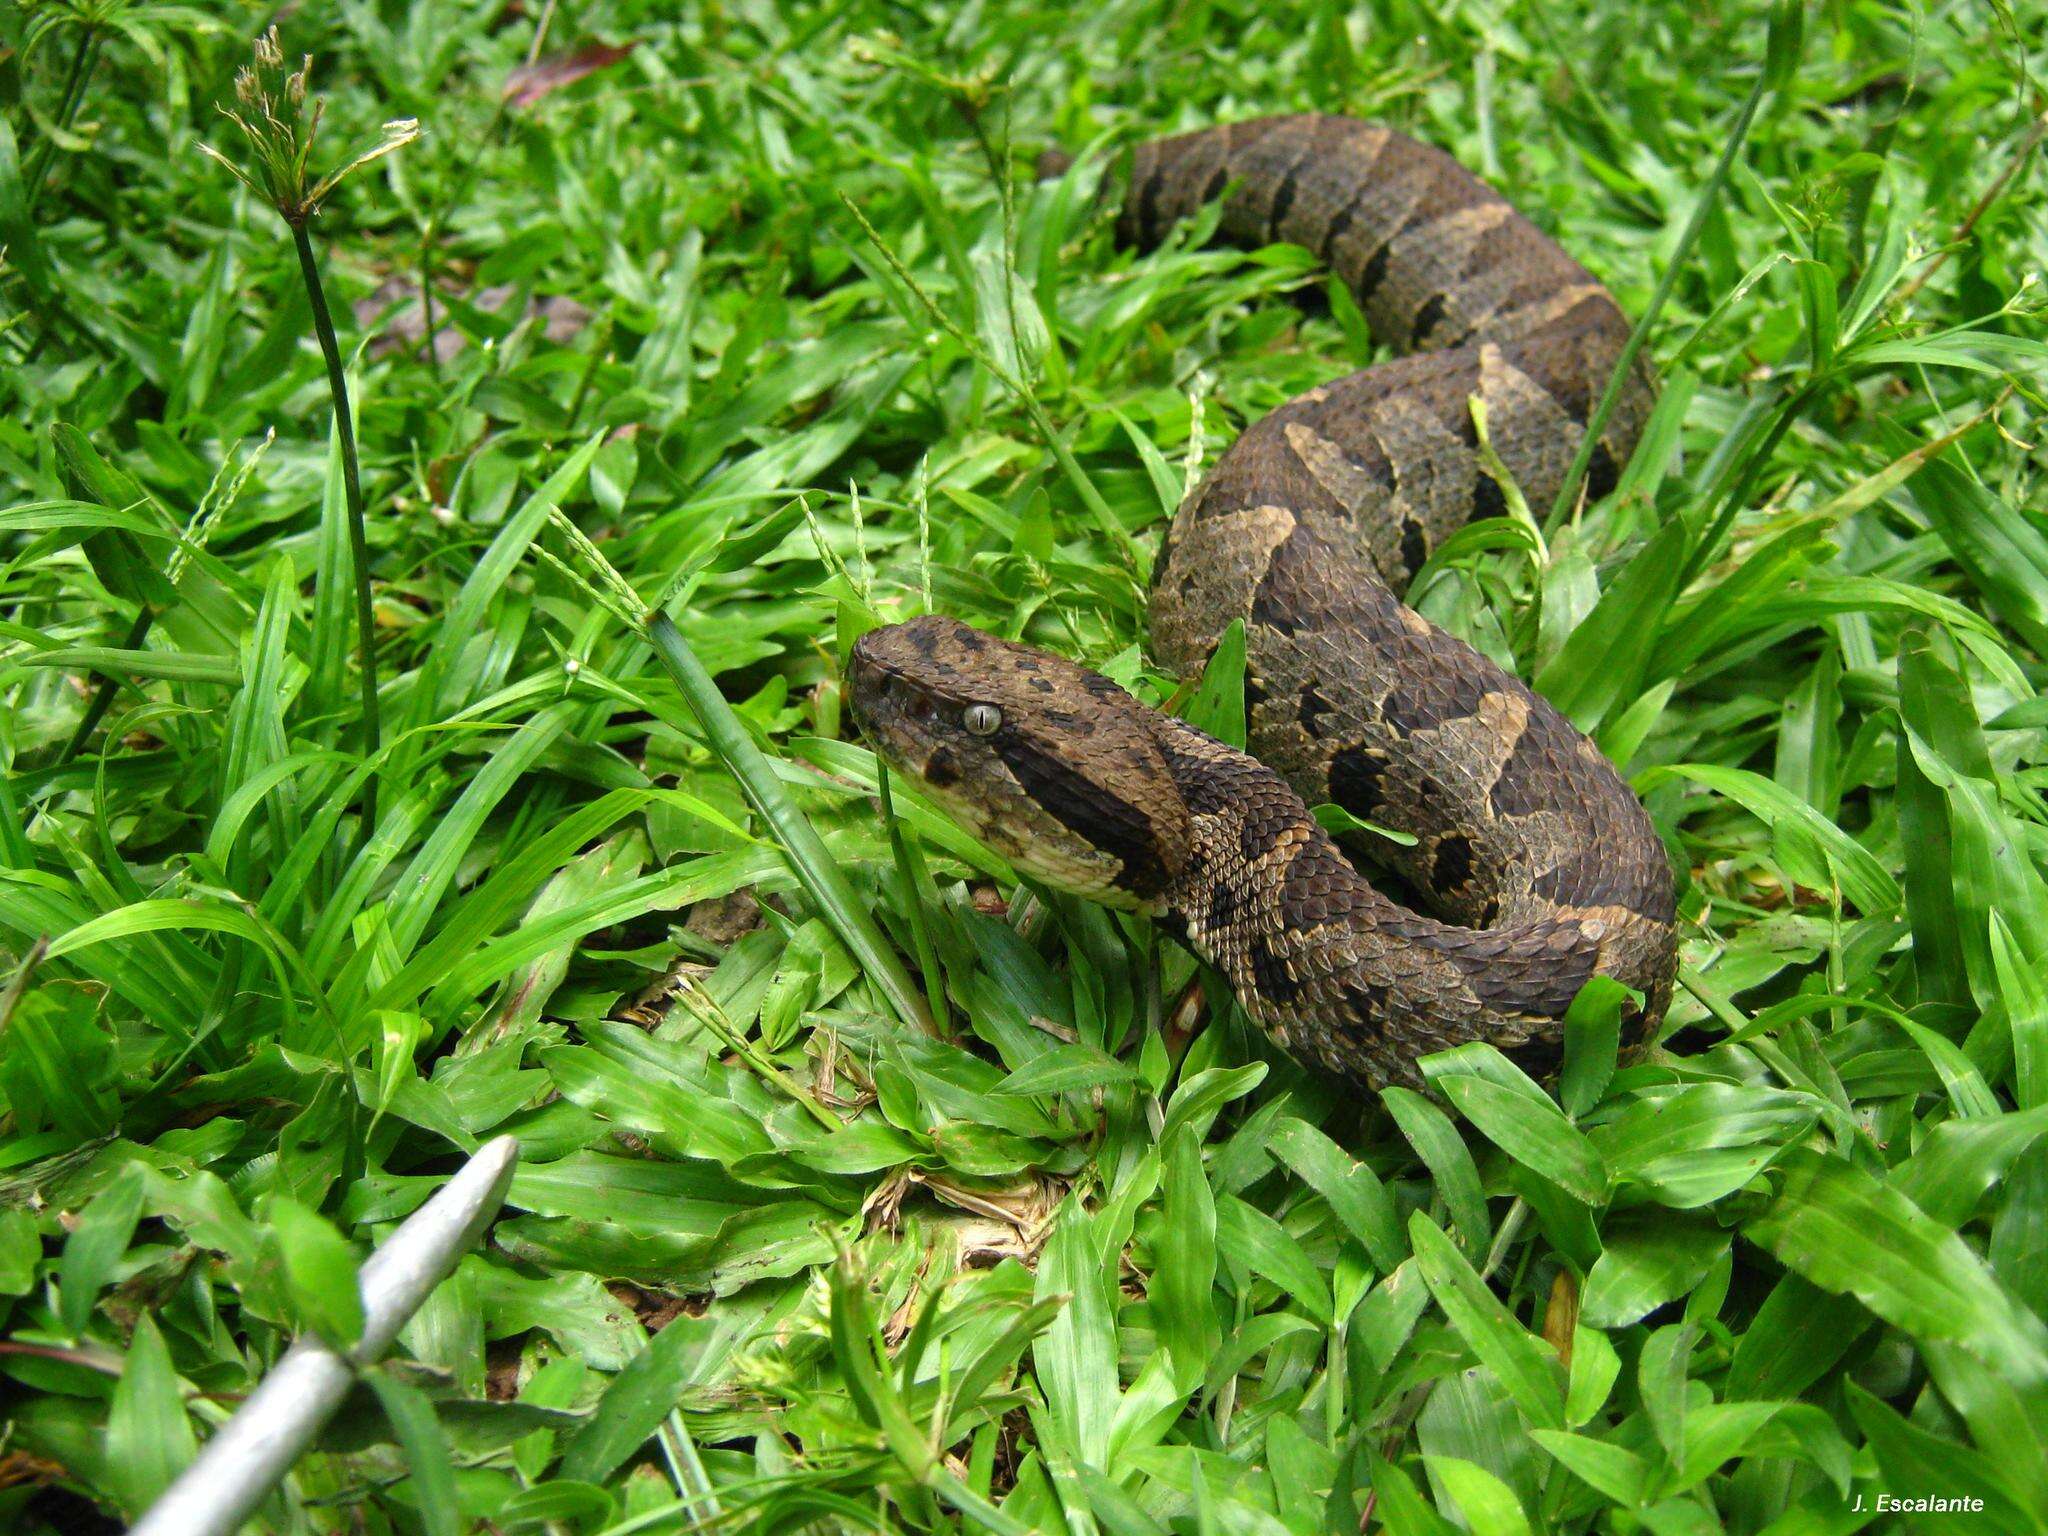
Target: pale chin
column 1086, row 878
column 1034, row 858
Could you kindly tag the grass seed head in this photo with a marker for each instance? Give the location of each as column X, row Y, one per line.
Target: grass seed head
column 281, row 123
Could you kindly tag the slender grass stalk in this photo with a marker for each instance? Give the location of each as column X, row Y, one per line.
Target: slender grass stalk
column 1582, row 93
column 808, row 857
column 598, row 353
column 430, row 232
column 75, row 85
column 686, row 1467
column 228, row 484
column 369, row 726
column 1710, row 194
column 17, row 984
column 76, row 81
column 917, row 880
column 2036, row 131
column 1751, row 471
column 280, row 123
column 702, row 1007
column 106, row 686
column 1091, row 498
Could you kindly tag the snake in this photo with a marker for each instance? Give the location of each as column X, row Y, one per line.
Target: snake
column 1522, row 864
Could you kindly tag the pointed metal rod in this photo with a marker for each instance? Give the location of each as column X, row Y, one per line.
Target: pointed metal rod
column 251, row 1453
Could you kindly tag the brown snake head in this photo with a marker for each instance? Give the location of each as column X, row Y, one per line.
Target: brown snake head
column 1053, row 766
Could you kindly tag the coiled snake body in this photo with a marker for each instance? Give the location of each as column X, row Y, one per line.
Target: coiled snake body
column 1538, row 864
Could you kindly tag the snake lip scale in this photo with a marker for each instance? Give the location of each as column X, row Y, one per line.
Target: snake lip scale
column 1538, row 866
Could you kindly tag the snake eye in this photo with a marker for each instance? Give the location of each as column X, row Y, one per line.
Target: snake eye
column 981, row 719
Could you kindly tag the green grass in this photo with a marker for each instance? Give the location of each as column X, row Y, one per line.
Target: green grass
column 772, row 311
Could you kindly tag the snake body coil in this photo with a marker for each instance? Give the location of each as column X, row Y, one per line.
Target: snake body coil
column 1539, row 865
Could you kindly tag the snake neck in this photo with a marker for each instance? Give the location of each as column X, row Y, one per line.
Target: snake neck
column 1333, row 969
